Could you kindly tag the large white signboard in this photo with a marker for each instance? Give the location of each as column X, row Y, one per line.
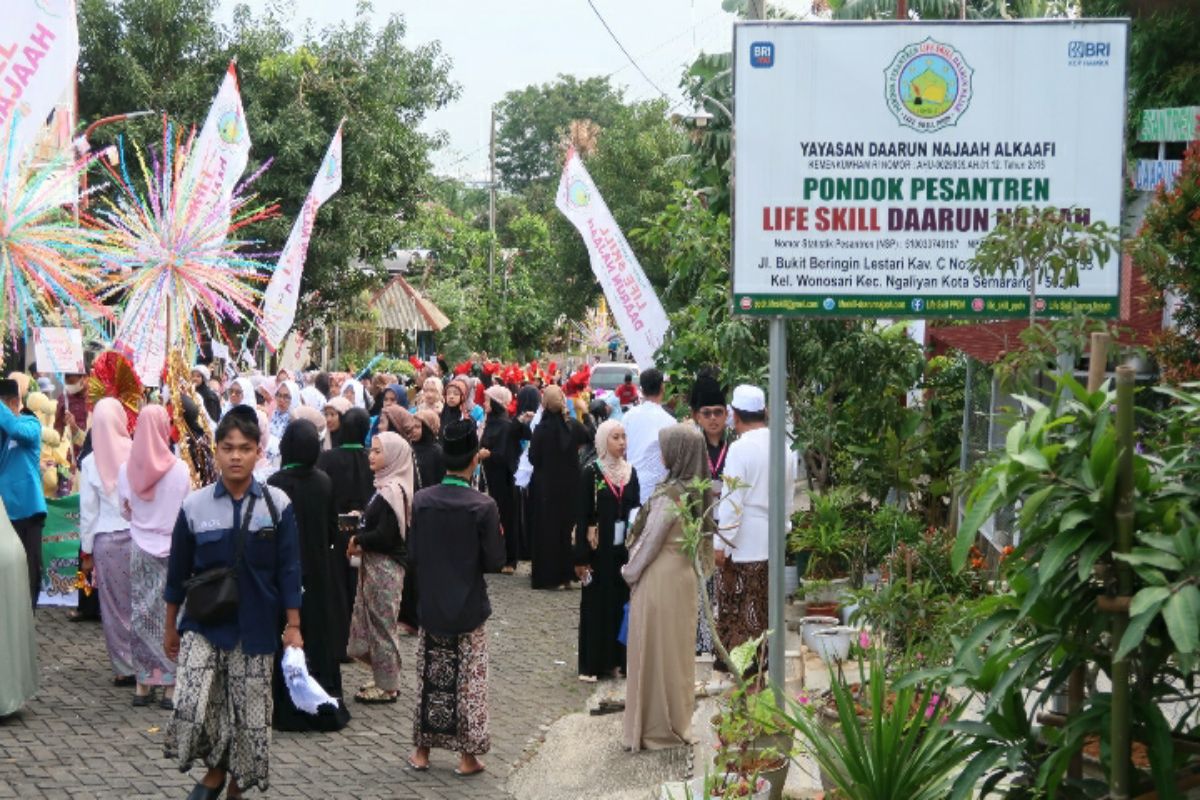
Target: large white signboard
column 871, row 159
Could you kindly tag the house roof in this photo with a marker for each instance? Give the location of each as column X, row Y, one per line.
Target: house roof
column 403, row 308
column 1140, row 316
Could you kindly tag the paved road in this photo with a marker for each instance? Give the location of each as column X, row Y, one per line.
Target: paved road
column 80, row 738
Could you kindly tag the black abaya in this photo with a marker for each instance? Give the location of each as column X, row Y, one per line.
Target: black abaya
column 353, row 484
column 430, row 468
column 602, row 604
column 502, row 437
column 554, row 454
column 311, row 493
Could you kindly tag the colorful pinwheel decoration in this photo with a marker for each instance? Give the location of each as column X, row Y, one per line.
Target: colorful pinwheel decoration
column 175, row 260
column 49, row 264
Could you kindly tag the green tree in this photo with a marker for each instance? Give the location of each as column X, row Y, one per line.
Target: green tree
column 531, row 124
column 295, row 93
column 1168, row 249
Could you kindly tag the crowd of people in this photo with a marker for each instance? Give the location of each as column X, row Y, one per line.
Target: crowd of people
column 226, row 523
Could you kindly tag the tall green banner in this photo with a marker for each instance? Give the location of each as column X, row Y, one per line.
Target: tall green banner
column 60, row 552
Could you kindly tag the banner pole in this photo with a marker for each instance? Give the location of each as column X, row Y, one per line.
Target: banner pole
column 777, row 508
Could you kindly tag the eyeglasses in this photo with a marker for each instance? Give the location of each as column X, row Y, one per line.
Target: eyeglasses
column 283, row 396
column 710, row 413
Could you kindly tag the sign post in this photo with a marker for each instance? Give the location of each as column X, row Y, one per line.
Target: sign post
column 872, row 159
column 1164, row 125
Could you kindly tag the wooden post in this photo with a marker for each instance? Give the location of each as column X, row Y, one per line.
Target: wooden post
column 1097, row 369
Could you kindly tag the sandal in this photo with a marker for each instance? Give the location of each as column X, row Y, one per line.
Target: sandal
column 125, row 680
column 375, row 695
column 462, row 774
column 418, row 767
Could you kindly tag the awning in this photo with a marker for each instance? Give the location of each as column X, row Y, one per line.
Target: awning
column 402, row 308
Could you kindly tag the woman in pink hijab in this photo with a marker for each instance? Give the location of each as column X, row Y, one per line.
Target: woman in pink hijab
column 104, row 533
column 152, row 486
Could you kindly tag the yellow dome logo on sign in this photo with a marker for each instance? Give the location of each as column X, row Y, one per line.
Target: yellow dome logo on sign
column 928, row 86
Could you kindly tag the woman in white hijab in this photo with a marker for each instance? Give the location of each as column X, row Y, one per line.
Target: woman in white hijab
column 352, row 390
column 241, row 393
column 311, row 396
column 287, row 400
column 608, row 494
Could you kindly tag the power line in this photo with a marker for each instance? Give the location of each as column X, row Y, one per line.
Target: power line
column 672, row 40
column 632, row 61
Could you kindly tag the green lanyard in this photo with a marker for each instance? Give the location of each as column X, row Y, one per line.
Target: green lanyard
column 293, row 465
column 450, row 480
column 351, row 446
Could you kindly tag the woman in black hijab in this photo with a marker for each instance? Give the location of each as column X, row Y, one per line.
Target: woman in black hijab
column 353, row 484
column 502, row 438
column 554, row 453
column 311, row 493
column 529, row 400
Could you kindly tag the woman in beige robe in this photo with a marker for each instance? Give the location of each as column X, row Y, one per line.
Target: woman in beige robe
column 661, row 666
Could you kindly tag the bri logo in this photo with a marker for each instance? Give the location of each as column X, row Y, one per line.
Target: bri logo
column 762, row 55
column 1088, row 53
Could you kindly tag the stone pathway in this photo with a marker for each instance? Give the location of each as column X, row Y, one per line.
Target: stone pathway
column 80, row 738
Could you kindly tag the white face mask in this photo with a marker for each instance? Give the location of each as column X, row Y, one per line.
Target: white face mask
column 75, row 388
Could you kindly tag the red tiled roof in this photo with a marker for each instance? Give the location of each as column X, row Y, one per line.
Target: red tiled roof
column 1140, row 317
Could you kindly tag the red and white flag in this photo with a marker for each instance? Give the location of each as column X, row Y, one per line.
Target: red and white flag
column 39, row 48
column 279, row 301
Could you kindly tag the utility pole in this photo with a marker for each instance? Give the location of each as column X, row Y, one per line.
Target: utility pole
column 492, row 203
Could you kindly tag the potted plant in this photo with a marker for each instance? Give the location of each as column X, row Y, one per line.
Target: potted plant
column 825, row 538
column 754, row 741
column 886, row 742
column 832, row 644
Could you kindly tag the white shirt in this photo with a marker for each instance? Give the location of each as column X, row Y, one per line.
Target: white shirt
column 151, row 522
column 743, row 513
column 642, row 424
column 99, row 511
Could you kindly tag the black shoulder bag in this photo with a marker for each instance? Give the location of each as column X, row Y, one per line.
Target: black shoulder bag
column 212, row 596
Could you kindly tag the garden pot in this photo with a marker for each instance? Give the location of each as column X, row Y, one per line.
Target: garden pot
column 833, row 644
column 821, row 610
column 762, row 791
column 791, row 579
column 813, row 623
column 781, row 743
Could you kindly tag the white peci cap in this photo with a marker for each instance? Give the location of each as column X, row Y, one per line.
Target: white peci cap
column 749, row 399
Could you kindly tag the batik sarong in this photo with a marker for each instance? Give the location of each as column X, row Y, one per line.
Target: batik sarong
column 374, row 625
column 742, row 601
column 110, row 563
column 148, row 576
column 452, row 711
column 222, row 711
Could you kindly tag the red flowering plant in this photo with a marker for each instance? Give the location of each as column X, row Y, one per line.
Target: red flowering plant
column 1167, row 249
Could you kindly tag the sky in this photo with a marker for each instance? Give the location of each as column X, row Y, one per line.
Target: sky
column 496, row 47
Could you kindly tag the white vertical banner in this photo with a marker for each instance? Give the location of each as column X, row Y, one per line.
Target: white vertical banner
column 634, row 304
column 279, row 301
column 219, row 156
column 39, row 48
